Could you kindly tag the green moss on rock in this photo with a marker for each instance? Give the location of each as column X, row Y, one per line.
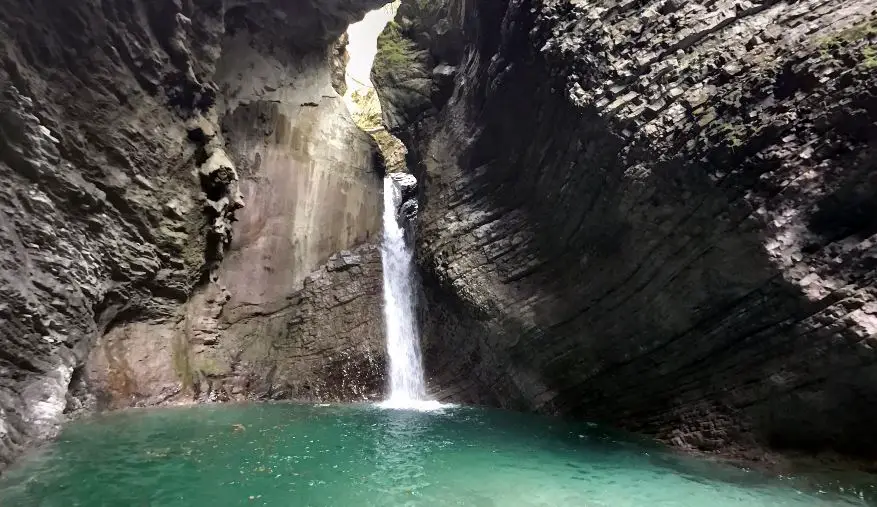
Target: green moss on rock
column 210, row 367
column 402, row 72
column 869, row 54
column 396, row 54
column 865, row 30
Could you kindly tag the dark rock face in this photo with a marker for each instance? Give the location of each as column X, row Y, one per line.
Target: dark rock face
column 411, row 68
column 406, row 203
column 133, row 132
column 340, row 59
column 100, row 217
column 659, row 216
column 407, row 185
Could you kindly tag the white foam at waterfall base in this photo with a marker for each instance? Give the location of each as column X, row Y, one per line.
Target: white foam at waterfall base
column 416, row 405
column 407, row 384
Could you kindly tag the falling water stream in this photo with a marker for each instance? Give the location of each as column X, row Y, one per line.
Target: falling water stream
column 407, row 385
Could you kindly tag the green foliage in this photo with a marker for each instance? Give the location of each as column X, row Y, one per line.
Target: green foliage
column 865, row 31
column 399, row 58
column 368, row 109
column 870, row 57
column 367, row 115
column 855, row 33
column 425, row 12
column 395, row 51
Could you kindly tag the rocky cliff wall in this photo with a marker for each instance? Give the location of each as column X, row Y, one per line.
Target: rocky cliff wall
column 142, row 143
column 656, row 214
column 316, row 191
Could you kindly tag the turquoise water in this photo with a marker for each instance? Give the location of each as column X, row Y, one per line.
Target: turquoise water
column 358, row 456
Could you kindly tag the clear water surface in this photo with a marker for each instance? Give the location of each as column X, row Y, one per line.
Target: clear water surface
column 360, row 455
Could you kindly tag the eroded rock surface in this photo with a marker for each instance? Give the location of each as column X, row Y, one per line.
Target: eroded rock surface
column 320, row 342
column 657, row 214
column 133, row 132
column 269, row 327
column 407, row 185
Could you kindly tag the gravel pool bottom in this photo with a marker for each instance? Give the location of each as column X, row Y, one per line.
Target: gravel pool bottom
column 361, row 455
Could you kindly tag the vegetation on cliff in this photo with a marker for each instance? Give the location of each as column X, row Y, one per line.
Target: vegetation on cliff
column 367, row 115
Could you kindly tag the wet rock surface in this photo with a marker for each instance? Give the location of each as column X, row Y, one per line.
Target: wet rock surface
column 322, row 342
column 131, row 173
column 407, row 185
column 655, row 215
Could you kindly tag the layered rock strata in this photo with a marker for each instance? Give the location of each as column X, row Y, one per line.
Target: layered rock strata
column 658, row 214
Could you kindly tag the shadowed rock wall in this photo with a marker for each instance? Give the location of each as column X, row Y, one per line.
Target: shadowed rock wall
column 658, row 215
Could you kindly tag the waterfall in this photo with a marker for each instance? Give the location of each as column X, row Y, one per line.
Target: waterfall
column 407, row 385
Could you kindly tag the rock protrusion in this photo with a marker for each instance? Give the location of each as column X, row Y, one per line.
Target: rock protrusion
column 340, row 59
column 416, row 62
column 407, row 206
column 219, row 183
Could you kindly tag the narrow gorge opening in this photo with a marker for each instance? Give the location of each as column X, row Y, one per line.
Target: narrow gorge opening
column 360, row 94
